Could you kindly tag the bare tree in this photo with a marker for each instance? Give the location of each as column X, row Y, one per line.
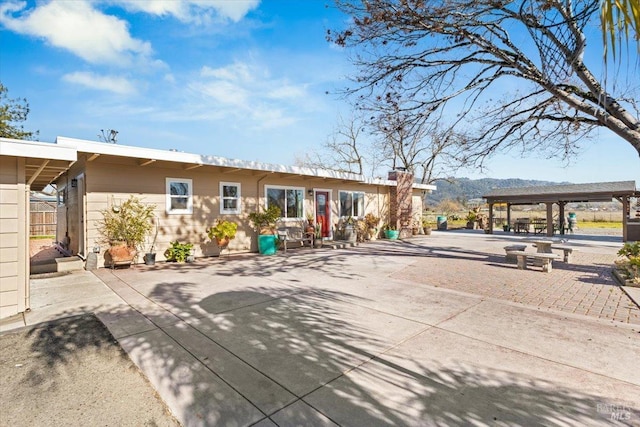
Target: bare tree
column 414, row 142
column 460, row 59
column 342, row 151
column 109, row 135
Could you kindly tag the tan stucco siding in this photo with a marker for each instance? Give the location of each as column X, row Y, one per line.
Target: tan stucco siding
column 14, row 260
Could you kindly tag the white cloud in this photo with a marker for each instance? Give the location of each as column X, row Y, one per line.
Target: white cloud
column 79, row 28
column 236, row 72
column 199, row 11
column 287, row 91
column 114, row 84
column 248, row 94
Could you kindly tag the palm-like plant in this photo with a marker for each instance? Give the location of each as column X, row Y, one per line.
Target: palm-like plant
column 620, row 22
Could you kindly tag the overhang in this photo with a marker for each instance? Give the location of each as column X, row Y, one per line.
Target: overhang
column 44, row 162
column 565, row 193
column 148, row 156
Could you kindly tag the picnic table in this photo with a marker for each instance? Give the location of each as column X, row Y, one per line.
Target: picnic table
column 539, row 226
column 521, row 225
column 543, row 245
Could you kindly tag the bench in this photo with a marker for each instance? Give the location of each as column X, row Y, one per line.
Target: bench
column 294, row 234
column 510, row 248
column 545, row 259
column 567, row 252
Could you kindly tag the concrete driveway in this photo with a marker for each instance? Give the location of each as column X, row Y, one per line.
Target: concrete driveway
column 374, row 336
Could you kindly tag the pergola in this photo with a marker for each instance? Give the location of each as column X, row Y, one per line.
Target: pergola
column 570, row 193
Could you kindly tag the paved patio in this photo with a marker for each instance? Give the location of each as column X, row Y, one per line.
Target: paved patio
column 438, row 330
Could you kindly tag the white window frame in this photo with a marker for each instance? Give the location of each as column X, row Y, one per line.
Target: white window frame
column 285, row 187
column 189, row 209
column 340, row 192
column 238, row 209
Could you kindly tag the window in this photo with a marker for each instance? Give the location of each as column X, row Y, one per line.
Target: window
column 351, row 203
column 179, row 196
column 288, row 199
column 230, row 198
column 62, row 196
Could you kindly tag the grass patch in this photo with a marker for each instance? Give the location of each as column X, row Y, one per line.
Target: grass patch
column 600, row 224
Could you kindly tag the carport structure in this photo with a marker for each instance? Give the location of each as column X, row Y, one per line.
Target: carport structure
column 560, row 195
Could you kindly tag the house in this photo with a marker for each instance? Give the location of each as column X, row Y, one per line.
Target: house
column 189, row 191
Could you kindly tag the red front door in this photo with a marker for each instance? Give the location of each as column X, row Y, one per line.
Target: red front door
column 323, row 212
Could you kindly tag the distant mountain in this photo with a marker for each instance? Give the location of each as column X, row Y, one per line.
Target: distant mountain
column 464, row 189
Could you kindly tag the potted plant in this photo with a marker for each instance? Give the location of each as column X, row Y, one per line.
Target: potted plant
column 310, row 226
column 350, row 233
column 150, row 257
column 179, row 252
column 471, row 220
column 317, row 238
column 427, row 226
column 372, row 223
column 415, row 226
column 223, row 232
column 390, row 232
column 125, row 229
column 265, row 223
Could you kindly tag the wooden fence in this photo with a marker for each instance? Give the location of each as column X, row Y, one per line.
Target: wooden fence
column 43, row 217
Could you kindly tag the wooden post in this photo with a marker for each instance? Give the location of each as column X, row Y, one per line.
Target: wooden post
column 625, row 216
column 549, row 219
column 490, row 218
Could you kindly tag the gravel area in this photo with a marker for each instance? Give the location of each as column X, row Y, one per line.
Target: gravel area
column 73, row 372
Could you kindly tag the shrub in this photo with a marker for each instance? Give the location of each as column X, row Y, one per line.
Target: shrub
column 371, row 221
column 266, row 220
column 223, row 229
column 630, row 249
column 178, row 251
column 131, row 222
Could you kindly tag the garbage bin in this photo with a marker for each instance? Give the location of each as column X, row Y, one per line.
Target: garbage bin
column 441, row 222
column 573, row 222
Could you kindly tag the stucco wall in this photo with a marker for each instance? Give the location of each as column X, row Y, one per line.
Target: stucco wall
column 14, row 260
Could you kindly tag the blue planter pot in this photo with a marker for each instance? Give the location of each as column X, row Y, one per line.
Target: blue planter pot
column 267, row 244
column 391, row 234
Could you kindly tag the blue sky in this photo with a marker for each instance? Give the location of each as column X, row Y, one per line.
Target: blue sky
column 239, row 79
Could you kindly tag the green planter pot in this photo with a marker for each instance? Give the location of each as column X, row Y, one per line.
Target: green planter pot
column 391, row 234
column 267, row 244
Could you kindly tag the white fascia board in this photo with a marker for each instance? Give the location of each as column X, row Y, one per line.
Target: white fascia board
column 392, row 183
column 181, row 157
column 429, row 187
column 36, row 150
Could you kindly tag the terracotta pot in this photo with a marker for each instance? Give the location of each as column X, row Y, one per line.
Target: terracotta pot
column 121, row 254
column 223, row 243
